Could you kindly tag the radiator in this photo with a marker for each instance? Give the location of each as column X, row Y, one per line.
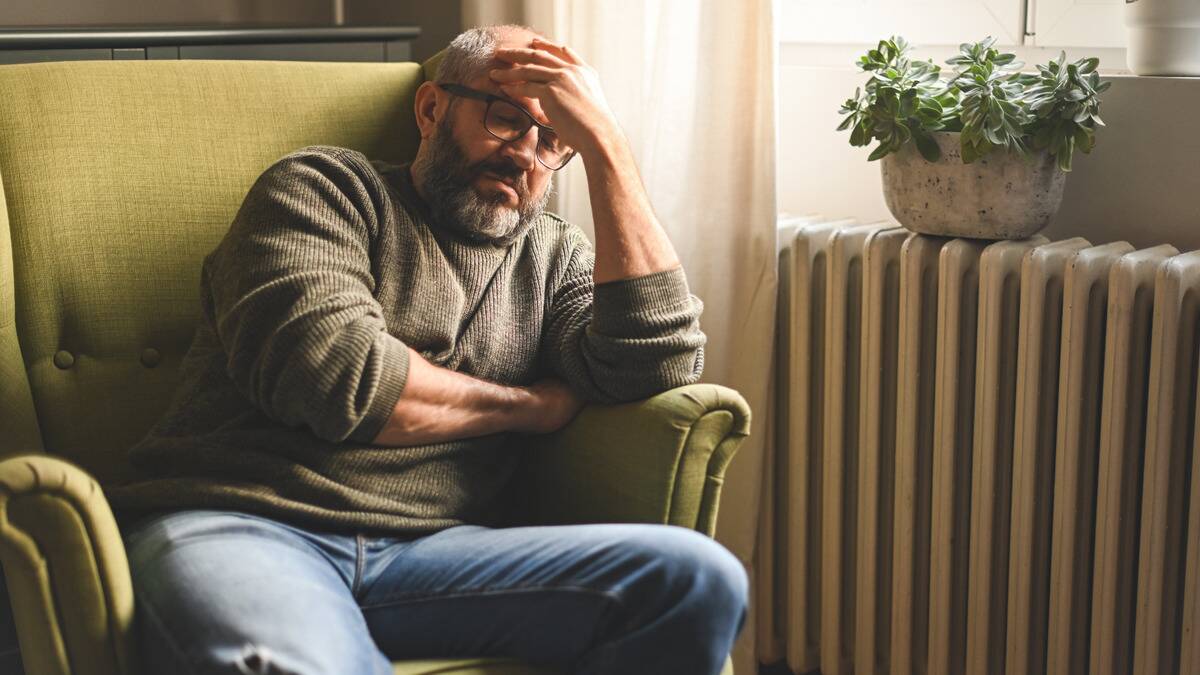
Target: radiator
column 986, row 458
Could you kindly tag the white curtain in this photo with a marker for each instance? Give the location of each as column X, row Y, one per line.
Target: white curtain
column 693, row 84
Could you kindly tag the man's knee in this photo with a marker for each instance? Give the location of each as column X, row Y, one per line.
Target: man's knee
column 711, row 569
column 697, row 574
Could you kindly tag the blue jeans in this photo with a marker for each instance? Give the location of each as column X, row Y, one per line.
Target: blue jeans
column 231, row 592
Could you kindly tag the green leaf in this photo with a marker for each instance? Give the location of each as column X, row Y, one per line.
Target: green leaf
column 927, row 146
column 878, row 153
column 857, row 135
column 969, row 153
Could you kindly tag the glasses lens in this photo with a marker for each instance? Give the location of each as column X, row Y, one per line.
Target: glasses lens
column 506, row 122
column 553, row 152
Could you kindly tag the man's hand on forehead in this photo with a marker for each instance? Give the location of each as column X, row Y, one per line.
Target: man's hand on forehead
column 567, row 89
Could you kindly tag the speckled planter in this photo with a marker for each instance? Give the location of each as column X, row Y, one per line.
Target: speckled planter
column 1001, row 196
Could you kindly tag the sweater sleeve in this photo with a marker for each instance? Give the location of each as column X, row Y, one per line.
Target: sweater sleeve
column 289, row 292
column 622, row 340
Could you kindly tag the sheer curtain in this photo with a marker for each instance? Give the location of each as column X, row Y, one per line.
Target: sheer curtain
column 693, row 84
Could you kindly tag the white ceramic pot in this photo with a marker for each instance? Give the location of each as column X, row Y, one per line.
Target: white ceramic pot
column 1001, row 196
column 1164, row 36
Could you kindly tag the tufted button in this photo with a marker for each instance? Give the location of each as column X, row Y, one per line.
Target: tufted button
column 150, row 357
column 64, row 359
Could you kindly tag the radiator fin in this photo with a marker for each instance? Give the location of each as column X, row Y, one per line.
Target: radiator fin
column 1122, row 431
column 877, row 448
column 954, row 403
column 1171, row 447
column 1043, row 273
column 842, row 358
column 800, row 435
column 1085, row 301
column 914, row 457
column 991, row 464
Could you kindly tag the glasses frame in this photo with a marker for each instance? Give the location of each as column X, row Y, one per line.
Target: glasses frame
column 467, row 92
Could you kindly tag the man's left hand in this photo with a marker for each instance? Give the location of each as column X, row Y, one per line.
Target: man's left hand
column 567, row 88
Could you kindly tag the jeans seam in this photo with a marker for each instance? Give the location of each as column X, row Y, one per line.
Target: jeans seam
column 169, row 639
column 359, row 564
column 415, row 598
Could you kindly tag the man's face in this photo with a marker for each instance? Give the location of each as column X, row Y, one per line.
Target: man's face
column 475, row 183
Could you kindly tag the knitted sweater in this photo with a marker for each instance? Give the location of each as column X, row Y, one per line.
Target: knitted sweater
column 330, row 268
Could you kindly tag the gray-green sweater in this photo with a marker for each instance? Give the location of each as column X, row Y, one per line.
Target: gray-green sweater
column 329, row 269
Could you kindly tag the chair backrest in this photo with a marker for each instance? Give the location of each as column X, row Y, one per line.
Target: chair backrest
column 118, row 178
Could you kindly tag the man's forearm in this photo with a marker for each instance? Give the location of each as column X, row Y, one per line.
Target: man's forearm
column 629, row 240
column 441, row 405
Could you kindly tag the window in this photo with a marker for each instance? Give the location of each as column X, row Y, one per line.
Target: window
column 1034, row 23
column 1077, row 23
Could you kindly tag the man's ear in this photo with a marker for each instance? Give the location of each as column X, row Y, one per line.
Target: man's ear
column 429, row 107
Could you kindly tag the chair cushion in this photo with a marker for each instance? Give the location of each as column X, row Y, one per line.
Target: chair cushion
column 119, row 177
column 481, row 666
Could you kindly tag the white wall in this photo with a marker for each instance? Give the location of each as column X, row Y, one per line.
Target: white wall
column 1141, row 183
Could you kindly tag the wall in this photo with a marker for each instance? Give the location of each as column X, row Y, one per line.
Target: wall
column 439, row 21
column 1141, row 183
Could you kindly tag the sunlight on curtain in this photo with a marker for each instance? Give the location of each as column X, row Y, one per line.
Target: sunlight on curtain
column 692, row 83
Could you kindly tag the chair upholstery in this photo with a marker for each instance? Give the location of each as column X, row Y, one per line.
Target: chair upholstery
column 116, row 178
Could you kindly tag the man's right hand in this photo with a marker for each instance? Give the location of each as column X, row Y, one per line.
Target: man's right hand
column 551, row 405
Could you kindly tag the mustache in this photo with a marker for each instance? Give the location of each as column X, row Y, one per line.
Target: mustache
column 504, row 168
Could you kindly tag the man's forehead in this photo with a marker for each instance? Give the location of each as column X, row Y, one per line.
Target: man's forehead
column 485, row 83
column 518, row 38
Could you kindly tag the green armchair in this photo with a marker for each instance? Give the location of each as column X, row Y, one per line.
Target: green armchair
column 115, row 179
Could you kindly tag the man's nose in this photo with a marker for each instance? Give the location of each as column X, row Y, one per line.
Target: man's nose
column 523, row 150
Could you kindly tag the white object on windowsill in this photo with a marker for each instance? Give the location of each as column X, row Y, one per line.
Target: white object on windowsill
column 1164, row 36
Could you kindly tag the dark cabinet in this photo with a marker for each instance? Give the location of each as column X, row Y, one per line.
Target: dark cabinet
column 340, row 43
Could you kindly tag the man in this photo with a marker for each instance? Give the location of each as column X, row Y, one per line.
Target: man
column 318, row 495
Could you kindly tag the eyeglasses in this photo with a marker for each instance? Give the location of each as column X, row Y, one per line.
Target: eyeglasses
column 508, row 122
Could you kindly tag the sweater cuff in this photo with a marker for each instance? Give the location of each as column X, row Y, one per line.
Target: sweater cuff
column 634, row 304
column 391, row 384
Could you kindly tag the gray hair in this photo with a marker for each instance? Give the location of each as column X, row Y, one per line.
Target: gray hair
column 470, row 54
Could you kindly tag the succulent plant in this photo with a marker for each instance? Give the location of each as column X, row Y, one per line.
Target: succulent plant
column 986, row 98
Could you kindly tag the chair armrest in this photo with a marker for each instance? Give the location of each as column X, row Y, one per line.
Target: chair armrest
column 661, row 460
column 67, row 573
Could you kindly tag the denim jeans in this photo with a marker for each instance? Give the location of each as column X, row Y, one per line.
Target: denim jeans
column 231, row 592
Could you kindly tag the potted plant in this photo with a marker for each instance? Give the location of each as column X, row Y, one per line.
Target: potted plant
column 982, row 151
